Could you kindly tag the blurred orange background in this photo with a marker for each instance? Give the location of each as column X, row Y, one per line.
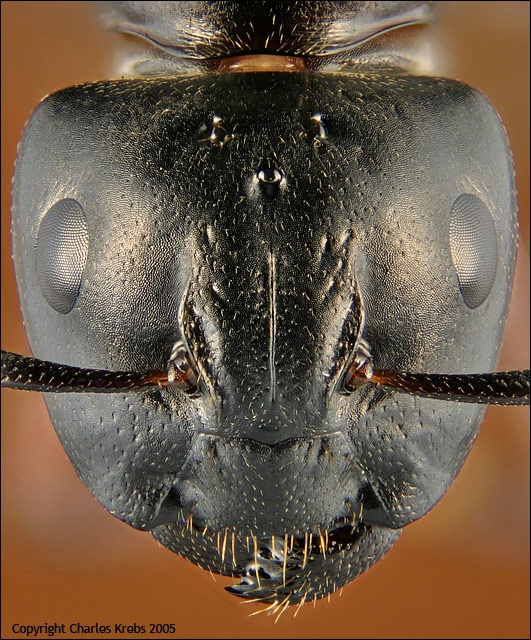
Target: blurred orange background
column 460, row 572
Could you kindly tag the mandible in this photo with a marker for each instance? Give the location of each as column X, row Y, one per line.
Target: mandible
column 265, row 253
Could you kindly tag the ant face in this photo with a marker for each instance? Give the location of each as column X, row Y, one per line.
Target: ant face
column 511, row 363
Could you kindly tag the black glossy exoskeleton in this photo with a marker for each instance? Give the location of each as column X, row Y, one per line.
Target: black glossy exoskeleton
column 276, row 236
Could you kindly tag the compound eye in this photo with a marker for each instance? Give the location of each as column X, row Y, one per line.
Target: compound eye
column 474, row 248
column 61, row 254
